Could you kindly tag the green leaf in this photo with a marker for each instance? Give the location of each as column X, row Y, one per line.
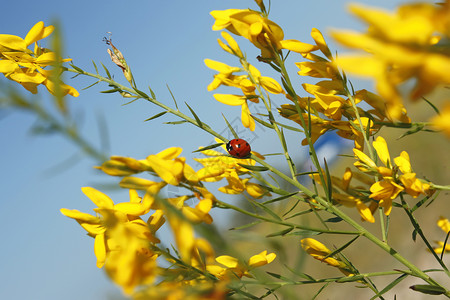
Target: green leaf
column 329, row 187
column 342, row 247
column 176, row 122
column 91, row 85
column 280, row 198
column 301, row 213
column 95, row 66
column 115, row 90
column 288, row 88
column 428, row 289
column 266, row 209
column 282, row 232
column 264, row 123
column 414, row 235
column 197, row 119
column 152, row 93
column 307, row 173
column 156, row 116
column 305, row 233
column 320, row 290
column 414, row 129
column 246, row 225
column 173, row 97
column 254, row 168
column 288, row 127
column 208, row 147
column 300, row 274
column 281, row 277
column 141, row 93
column 432, row 106
column 390, row 286
column 230, row 127
column 107, row 71
column 334, row 220
column 76, row 68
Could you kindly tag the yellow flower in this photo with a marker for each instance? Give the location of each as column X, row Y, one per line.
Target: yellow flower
column 26, row 67
column 385, row 191
column 111, row 215
column 320, row 252
column 444, row 224
column 131, row 263
column 232, row 47
column 166, row 164
column 234, row 268
column 442, row 121
column 400, row 47
column 260, row 31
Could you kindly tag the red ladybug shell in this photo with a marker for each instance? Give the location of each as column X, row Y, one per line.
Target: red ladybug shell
column 238, row 148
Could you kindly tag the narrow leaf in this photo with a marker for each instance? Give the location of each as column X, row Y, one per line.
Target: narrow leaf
column 156, row 116
column 329, row 186
column 197, row 119
column 281, row 277
column 141, row 93
column 282, row 232
column 334, row 220
column 176, row 122
column 254, row 168
column 115, row 90
column 264, row 123
column 280, row 198
column 173, row 97
column 320, row 290
column 428, row 289
column 107, row 71
column 91, row 85
column 246, row 225
column 343, row 247
column 230, row 127
column 208, row 147
column 95, row 66
column 77, row 68
column 152, row 93
column 432, row 106
column 307, row 173
column 414, row 129
column 389, row 286
column 288, row 127
column 266, row 209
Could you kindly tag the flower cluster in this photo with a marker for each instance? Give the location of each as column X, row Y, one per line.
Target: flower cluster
column 128, row 246
column 444, row 224
column 391, row 183
column 27, row 67
column 400, row 46
column 320, row 252
column 331, row 105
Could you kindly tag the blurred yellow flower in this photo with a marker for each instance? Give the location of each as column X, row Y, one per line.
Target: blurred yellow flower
column 401, row 47
column 26, row 67
column 442, row 121
column 444, row 224
column 111, row 215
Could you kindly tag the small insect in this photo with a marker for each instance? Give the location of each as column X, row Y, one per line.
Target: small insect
column 239, row 148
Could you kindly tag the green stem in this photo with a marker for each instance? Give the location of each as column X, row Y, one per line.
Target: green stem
column 154, row 101
column 329, row 207
column 281, row 222
column 420, row 232
column 415, row 271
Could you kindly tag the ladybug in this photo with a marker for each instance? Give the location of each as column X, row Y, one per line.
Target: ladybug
column 239, row 148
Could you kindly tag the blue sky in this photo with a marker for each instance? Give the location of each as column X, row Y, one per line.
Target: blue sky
column 44, row 255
